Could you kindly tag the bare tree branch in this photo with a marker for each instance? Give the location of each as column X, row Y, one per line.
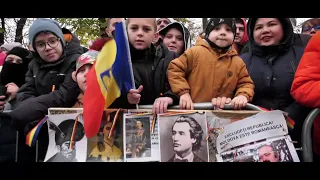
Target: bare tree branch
column 3, row 30
column 19, row 29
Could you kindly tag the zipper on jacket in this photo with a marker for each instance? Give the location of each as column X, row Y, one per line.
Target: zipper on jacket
column 293, row 67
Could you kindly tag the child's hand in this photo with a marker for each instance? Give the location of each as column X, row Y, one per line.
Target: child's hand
column 160, row 105
column 134, row 96
column 186, row 102
column 220, row 102
column 239, row 102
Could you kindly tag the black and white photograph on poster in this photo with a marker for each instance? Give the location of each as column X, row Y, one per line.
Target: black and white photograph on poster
column 280, row 149
column 107, row 145
column 183, row 138
column 67, row 140
column 141, row 145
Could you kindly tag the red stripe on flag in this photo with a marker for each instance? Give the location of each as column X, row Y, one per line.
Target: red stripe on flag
column 92, row 98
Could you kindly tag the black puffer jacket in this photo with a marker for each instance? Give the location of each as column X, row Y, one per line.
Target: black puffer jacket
column 150, row 70
column 36, row 96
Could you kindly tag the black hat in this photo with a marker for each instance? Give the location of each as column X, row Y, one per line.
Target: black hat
column 65, row 31
column 64, row 131
column 213, row 22
column 21, row 52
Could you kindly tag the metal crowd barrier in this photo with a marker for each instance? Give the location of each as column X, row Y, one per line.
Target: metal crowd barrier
column 204, row 106
column 306, row 139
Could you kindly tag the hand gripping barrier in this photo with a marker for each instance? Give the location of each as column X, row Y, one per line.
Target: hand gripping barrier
column 205, row 106
column 306, row 135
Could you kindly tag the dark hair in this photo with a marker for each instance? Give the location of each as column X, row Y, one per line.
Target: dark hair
column 196, row 131
column 239, row 20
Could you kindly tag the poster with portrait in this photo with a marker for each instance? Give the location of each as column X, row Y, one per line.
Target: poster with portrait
column 67, row 140
column 183, row 137
column 279, row 149
column 217, row 120
column 140, row 142
column 107, row 145
column 252, row 129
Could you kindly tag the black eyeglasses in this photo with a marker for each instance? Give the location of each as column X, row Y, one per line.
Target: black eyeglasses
column 52, row 42
column 308, row 28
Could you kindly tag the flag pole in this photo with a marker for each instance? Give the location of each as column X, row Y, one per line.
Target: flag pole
column 129, row 56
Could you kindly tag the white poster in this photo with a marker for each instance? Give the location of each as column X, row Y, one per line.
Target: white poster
column 140, row 143
column 257, row 127
column 67, row 140
column 280, row 149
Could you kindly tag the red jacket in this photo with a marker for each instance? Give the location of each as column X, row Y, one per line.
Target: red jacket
column 306, row 85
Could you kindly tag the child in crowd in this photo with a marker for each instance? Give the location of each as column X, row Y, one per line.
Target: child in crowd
column 212, row 70
column 149, row 68
column 176, row 37
column 84, row 64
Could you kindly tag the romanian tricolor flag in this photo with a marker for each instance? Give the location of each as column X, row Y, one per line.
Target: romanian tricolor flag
column 110, row 76
column 32, row 136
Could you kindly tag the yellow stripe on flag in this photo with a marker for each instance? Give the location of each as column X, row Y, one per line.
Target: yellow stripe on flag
column 105, row 60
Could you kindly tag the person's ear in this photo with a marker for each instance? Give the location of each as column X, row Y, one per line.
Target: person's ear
column 156, row 37
column 74, row 76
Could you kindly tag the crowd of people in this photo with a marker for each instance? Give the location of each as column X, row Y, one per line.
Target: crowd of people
column 259, row 61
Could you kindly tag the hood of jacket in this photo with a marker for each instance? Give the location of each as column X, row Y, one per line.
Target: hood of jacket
column 285, row 44
column 185, row 31
column 245, row 38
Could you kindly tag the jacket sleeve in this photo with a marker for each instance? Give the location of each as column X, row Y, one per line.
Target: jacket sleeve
column 178, row 73
column 306, row 84
column 169, row 92
column 245, row 84
column 27, row 90
column 36, row 108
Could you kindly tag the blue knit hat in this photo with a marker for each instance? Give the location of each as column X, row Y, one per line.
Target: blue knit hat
column 41, row 25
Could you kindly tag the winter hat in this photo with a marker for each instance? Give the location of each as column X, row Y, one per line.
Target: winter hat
column 9, row 46
column 41, row 25
column 67, row 35
column 213, row 22
column 19, row 51
column 86, row 58
column 182, row 29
